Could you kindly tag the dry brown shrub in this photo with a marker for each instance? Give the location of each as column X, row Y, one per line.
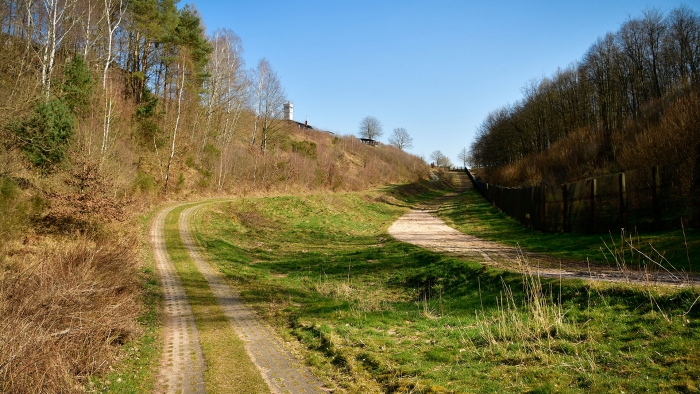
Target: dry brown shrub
column 676, row 139
column 573, row 158
column 66, row 307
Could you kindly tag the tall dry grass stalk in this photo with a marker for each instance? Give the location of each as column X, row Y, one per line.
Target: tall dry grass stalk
column 64, row 309
column 532, row 327
column 648, row 268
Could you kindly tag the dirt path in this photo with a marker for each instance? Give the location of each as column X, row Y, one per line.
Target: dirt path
column 422, row 227
column 282, row 371
column 182, row 367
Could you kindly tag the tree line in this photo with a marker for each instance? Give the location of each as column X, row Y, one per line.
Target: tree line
column 623, row 85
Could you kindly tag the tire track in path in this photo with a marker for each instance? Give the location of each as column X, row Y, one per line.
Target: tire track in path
column 182, row 367
column 282, row 371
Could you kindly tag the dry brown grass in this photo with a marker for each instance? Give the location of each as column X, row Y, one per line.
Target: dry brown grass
column 673, row 139
column 66, row 305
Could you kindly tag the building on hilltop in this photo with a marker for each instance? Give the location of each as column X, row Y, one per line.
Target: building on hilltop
column 289, row 116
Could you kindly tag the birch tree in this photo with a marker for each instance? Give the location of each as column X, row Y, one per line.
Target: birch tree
column 227, row 93
column 113, row 12
column 269, row 98
column 50, row 23
column 177, row 123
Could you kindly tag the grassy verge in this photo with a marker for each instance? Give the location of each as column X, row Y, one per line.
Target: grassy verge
column 471, row 214
column 376, row 315
column 228, row 367
column 136, row 371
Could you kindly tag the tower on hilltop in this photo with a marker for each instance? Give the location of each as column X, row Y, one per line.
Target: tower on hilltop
column 288, row 111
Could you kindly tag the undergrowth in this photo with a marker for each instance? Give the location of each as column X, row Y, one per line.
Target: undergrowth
column 67, row 308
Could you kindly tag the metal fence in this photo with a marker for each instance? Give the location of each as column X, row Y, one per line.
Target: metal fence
column 655, row 199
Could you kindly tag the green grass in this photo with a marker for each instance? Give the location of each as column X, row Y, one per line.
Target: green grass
column 472, row 214
column 377, row 315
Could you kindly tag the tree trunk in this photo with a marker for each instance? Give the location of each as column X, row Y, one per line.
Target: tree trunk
column 177, row 122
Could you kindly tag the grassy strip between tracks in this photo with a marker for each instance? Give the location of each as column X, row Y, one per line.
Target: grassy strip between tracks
column 376, row 315
column 472, row 214
column 228, row 367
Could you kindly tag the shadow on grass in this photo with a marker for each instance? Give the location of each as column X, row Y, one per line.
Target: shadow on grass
column 404, row 317
column 472, row 214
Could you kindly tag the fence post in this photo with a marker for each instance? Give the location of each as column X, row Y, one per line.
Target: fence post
column 594, row 192
column 565, row 210
column 531, row 208
column 501, row 203
column 543, row 209
column 656, row 204
column 623, row 200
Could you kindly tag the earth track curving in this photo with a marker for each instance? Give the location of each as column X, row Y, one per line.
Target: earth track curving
column 182, row 367
column 280, row 369
column 422, row 227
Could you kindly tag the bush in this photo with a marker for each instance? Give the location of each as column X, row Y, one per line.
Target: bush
column 65, row 312
column 45, row 135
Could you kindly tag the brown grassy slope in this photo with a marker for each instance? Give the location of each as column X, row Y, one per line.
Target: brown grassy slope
column 672, row 138
column 294, row 160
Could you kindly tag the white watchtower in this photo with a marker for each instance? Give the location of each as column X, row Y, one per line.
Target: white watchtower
column 288, row 111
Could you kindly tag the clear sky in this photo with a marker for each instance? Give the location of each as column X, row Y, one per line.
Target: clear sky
column 436, row 68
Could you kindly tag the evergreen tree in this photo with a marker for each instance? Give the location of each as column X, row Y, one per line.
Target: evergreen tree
column 77, row 86
column 45, row 135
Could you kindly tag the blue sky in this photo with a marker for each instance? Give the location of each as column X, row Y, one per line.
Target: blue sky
column 436, row 68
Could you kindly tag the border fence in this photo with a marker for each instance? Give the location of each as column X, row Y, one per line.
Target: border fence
column 656, row 199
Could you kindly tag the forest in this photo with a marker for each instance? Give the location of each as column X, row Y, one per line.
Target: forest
column 631, row 102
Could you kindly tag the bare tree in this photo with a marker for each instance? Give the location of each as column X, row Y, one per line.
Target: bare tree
column 440, row 160
column 463, row 156
column 51, row 22
column 370, row 128
column 113, row 21
column 90, row 27
column 269, row 98
column 400, row 139
column 227, row 93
